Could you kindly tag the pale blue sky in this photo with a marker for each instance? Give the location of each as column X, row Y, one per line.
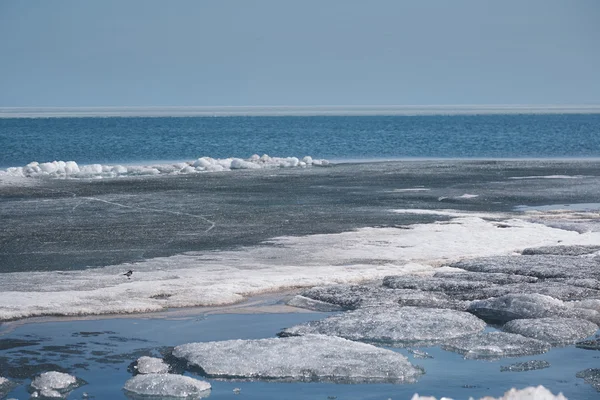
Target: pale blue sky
column 304, row 52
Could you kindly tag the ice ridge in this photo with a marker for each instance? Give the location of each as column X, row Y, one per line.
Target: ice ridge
column 71, row 169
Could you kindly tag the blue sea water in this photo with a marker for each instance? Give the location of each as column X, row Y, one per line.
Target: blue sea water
column 135, row 139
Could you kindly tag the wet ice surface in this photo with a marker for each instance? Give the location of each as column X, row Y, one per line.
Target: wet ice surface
column 553, row 330
column 166, row 385
column 310, row 358
column 395, row 326
column 495, row 345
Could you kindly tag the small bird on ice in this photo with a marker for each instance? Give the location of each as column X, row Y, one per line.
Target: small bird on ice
column 128, row 274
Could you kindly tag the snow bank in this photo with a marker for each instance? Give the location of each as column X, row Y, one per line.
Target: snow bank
column 70, row 169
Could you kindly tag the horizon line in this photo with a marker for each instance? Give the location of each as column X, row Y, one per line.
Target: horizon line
column 318, row 110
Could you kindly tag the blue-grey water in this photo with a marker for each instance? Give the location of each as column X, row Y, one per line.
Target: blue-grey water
column 127, row 140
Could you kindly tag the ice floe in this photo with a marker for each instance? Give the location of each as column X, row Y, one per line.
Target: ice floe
column 591, row 376
column 540, row 266
column 528, row 305
column 306, row 358
column 526, row 366
column 350, row 297
column 517, row 306
column 166, row 385
column 5, row 386
column 55, row 384
column 151, row 365
column 552, row 330
column 70, row 169
column 397, row 326
column 495, row 345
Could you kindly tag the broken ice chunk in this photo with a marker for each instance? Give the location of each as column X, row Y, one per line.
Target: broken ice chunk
column 540, row 266
column 526, row 366
column 495, row 345
column 151, row 365
column 396, row 326
column 166, row 385
column 555, row 331
column 312, row 304
column 517, row 306
column 575, row 250
column 55, row 384
column 591, row 376
column 5, row 386
column 447, row 285
column 491, row 277
column 307, row 358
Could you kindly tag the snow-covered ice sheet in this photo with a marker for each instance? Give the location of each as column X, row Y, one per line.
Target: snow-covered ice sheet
column 225, row 277
column 396, row 326
column 307, row 358
column 166, row 385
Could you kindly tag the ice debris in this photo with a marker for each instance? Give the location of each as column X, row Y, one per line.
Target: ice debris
column 168, row 385
column 151, row 365
column 396, row 326
column 306, row 358
column 526, row 366
column 70, row 169
column 55, row 384
column 556, row 331
column 446, row 285
column 495, row 345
